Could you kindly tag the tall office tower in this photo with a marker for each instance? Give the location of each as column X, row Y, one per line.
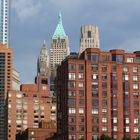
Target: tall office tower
column 5, row 82
column 89, row 38
column 43, row 65
column 99, row 93
column 59, row 46
column 4, row 21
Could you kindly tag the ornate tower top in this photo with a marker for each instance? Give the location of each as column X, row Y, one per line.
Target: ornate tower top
column 43, row 61
column 59, row 31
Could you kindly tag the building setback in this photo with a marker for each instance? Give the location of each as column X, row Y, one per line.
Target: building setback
column 6, row 55
column 98, row 93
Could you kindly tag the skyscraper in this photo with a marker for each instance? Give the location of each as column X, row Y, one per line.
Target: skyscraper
column 5, row 82
column 89, row 37
column 4, row 21
column 59, row 46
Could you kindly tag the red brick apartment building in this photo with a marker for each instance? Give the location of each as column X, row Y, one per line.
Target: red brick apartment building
column 28, row 107
column 98, row 93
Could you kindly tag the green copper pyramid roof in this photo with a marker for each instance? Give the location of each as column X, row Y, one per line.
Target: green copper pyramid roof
column 59, row 31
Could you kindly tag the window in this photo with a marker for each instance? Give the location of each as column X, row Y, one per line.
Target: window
column 104, row 128
column 94, row 67
column 104, row 120
column 71, row 76
column 104, row 76
column 135, row 78
column 117, row 58
column 89, row 34
column 104, row 102
column 81, row 120
column 25, row 106
column 126, row 120
column 18, row 106
column 95, row 137
column 114, row 120
column 71, row 102
column 127, row 129
column 135, row 95
column 104, row 111
column 104, row 85
column 136, row 129
column 95, row 102
column 81, row 67
column 71, row 84
column 135, row 86
column 104, row 68
column 114, row 103
column 94, row 76
column 114, row 85
column 81, row 101
column 136, row 120
column 71, row 93
column 81, row 75
column 125, row 85
column 94, row 57
column 9, row 106
column 115, row 128
column 114, row 112
column 136, row 112
column 72, row 128
column 71, row 66
column 95, row 111
column 81, row 137
column 125, row 69
column 18, row 95
column 94, row 93
column 81, row 92
column 81, row 84
column 114, row 76
column 126, row 112
column 126, row 103
column 95, row 120
column 81, row 110
column 81, row 128
column 126, row 94
column 126, row 77
column 104, row 94
column 72, row 110
column 72, row 119
column 113, row 68
column 94, row 85
column 135, row 69
column 136, row 103
column 95, row 128
column 72, row 137
column 130, row 60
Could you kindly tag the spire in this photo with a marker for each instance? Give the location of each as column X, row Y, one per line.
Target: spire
column 44, row 43
column 59, row 31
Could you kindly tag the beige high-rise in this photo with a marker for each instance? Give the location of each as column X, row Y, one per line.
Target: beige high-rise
column 89, row 37
column 59, row 47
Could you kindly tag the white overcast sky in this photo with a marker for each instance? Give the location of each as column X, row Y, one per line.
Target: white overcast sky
column 33, row 21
